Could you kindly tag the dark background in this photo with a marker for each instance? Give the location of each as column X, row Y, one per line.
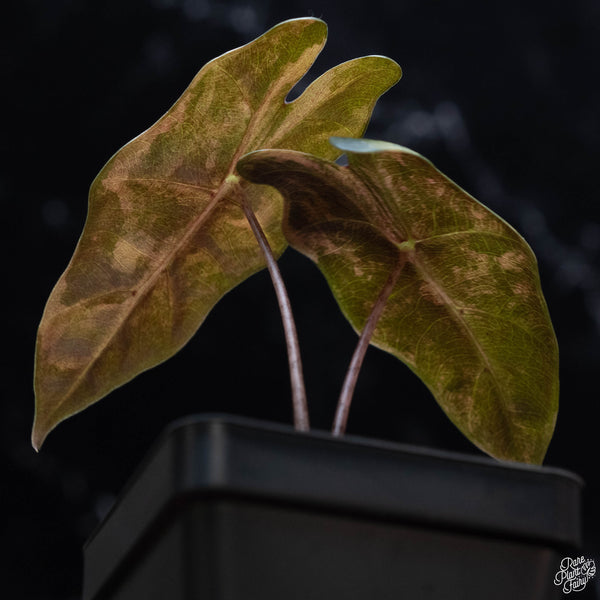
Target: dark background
column 502, row 97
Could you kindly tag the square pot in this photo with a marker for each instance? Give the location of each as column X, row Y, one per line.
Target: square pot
column 227, row 508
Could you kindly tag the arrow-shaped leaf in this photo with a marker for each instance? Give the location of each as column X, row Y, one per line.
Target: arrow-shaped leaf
column 466, row 312
column 165, row 236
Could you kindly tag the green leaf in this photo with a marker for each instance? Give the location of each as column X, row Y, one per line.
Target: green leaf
column 165, row 237
column 466, row 312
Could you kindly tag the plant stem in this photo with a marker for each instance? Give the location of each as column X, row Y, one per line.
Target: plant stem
column 345, row 399
column 300, row 406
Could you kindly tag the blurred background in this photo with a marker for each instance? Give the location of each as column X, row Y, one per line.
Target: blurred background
column 502, row 97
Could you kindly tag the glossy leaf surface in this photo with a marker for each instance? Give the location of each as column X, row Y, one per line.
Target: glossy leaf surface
column 165, row 237
column 466, row 312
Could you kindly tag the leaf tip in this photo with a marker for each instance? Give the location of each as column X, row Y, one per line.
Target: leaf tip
column 40, row 430
column 390, row 66
column 37, row 439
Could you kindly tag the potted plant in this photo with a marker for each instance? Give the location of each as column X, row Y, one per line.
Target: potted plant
column 210, row 194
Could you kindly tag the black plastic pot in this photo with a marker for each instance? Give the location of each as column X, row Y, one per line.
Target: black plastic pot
column 233, row 509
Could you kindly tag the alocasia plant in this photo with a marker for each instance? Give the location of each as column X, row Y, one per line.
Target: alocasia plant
column 166, row 236
column 229, row 176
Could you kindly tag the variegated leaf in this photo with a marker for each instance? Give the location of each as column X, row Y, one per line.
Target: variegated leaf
column 466, row 312
column 165, row 237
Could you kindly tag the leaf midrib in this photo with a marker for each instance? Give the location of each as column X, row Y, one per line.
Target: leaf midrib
column 221, row 192
column 130, row 305
column 462, row 322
